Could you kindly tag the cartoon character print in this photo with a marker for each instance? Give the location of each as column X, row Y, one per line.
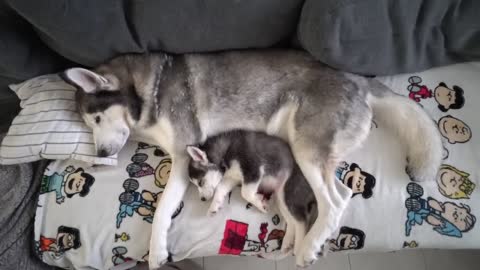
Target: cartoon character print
column 236, row 241
column 144, row 203
column 359, row 181
column 139, row 167
column 234, row 237
column 265, row 244
column 67, row 183
column 276, row 219
column 162, row 172
column 447, row 218
column 119, row 255
column 67, row 238
column 124, row 237
column 131, row 201
column 445, row 153
column 411, row 244
column 348, row 239
column 448, row 98
column 145, row 257
column 157, row 151
column 454, row 129
column 454, row 183
column 417, row 90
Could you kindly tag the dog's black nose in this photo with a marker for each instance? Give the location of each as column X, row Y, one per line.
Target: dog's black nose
column 203, row 199
column 102, row 153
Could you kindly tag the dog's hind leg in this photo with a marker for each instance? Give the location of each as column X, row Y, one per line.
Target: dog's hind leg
column 300, row 231
column 289, row 238
column 168, row 203
column 288, row 242
column 330, row 208
column 317, row 156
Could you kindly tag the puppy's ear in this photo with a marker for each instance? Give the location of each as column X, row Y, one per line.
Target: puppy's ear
column 86, row 80
column 197, row 154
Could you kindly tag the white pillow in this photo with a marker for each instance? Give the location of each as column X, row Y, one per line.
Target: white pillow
column 48, row 126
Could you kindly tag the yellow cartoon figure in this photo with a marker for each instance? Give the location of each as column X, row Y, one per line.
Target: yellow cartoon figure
column 162, row 172
column 123, row 237
column 454, row 183
column 454, row 129
column 411, row 244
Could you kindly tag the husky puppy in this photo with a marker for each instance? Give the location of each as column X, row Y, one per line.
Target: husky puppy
column 177, row 100
column 262, row 165
column 246, row 158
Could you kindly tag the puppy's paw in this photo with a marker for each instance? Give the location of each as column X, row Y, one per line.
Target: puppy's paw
column 211, row 213
column 213, row 210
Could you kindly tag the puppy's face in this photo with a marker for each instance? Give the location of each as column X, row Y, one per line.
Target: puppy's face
column 202, row 173
column 205, row 178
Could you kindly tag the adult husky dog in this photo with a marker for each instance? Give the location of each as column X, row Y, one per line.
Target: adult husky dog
column 175, row 101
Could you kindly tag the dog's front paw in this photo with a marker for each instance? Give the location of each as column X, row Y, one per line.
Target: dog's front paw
column 214, row 209
column 157, row 257
column 212, row 212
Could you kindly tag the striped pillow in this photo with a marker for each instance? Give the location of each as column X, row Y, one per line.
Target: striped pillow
column 48, row 126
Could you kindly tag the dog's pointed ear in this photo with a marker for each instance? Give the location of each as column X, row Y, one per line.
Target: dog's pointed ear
column 197, row 154
column 86, row 80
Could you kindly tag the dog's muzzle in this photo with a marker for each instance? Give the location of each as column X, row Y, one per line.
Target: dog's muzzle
column 102, row 153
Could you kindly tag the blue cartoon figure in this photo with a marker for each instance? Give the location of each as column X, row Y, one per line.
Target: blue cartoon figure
column 119, row 255
column 131, row 201
column 447, row 218
column 67, row 183
column 359, row 181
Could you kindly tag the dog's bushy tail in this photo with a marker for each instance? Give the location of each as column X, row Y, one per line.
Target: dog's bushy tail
column 413, row 126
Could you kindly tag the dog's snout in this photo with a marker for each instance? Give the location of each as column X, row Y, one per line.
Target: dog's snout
column 203, row 199
column 102, row 153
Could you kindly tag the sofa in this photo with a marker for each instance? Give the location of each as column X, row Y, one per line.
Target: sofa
column 372, row 37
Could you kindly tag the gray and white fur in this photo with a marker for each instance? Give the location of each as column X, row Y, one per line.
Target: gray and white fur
column 263, row 166
column 323, row 114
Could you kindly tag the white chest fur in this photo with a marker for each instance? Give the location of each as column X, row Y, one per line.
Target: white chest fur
column 234, row 172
